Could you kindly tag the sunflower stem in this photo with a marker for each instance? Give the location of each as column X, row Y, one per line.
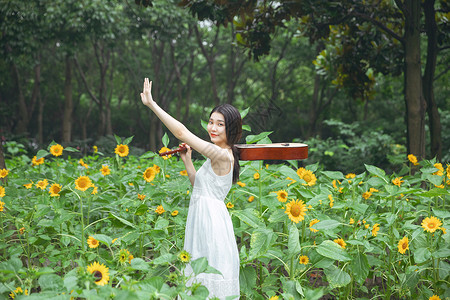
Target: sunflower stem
column 82, row 227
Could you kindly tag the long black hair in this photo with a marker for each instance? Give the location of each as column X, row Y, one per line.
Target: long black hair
column 233, row 130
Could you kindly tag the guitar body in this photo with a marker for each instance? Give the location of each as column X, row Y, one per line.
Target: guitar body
column 277, row 151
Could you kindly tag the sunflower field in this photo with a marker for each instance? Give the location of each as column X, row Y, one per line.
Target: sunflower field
column 99, row 227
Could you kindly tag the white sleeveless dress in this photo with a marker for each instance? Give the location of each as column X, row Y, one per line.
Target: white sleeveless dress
column 209, row 232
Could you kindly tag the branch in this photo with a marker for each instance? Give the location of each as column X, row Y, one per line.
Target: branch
column 442, row 73
column 380, row 25
column 83, row 77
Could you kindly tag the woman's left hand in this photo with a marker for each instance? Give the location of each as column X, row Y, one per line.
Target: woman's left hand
column 146, row 95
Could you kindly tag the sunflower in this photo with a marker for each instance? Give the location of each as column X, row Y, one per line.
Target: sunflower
column 375, row 229
column 160, row 210
column 37, row 162
column 157, row 168
column 313, row 221
column 18, row 291
column 28, row 185
column 56, row 150
column 105, row 170
column 42, row 184
column 1, row 206
column 2, row 192
column 100, row 272
column 122, row 150
column 241, row 184
column 95, row 189
column 282, row 196
column 165, row 149
column 92, row 242
column 300, row 171
column 309, row 177
column 434, row 297
column 3, row 173
column 256, row 176
column 340, row 242
column 141, row 197
column 183, row 173
column 335, row 183
column 296, row 210
column 430, row 224
column 184, row 256
column 54, row 190
column 448, row 172
column 350, row 175
column 330, row 197
column 403, row 245
column 292, row 180
column 22, row 230
column 413, row 159
column 83, row 183
column 397, row 181
column 274, row 297
column 366, row 195
column 123, row 256
column 230, row 205
column 95, row 148
column 149, row 174
column 303, row 260
column 440, row 170
column 174, row 213
column 82, row 163
column 251, row 198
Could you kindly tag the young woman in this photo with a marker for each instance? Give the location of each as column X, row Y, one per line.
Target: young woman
column 209, row 230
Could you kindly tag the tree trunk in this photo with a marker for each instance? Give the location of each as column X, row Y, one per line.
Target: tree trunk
column 210, row 61
column 68, row 104
column 428, row 79
column 41, row 121
column 22, row 124
column 415, row 104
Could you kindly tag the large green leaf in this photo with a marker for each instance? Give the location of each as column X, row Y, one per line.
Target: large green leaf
column 200, row 265
column 421, row 255
column 139, row 264
column 122, row 220
column 360, row 267
column 326, row 225
column 376, row 171
column 337, row 277
column 333, row 174
column 332, row 250
column 260, row 242
column 294, row 241
column 249, row 217
column 251, row 139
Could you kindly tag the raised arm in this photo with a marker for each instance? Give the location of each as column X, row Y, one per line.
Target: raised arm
column 213, row 152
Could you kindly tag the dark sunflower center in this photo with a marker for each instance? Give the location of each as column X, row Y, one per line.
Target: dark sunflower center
column 98, row 275
column 431, row 225
column 404, row 245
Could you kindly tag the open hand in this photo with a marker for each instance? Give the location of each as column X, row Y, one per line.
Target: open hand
column 146, row 95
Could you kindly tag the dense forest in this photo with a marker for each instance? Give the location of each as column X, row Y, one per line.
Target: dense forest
column 359, row 82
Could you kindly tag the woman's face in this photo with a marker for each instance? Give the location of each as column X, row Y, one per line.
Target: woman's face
column 216, row 129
